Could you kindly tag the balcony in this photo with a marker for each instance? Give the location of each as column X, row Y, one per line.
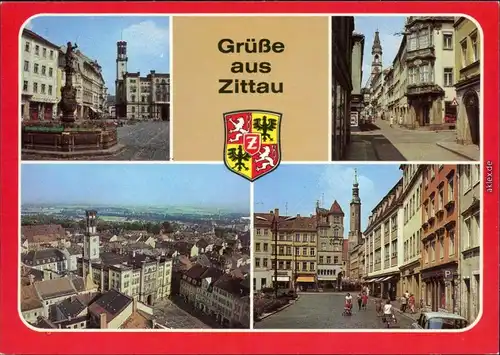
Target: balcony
column 422, row 53
column 449, row 204
column 423, row 89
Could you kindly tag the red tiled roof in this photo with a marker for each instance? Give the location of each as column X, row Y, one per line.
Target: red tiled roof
column 336, row 208
column 286, row 223
column 43, row 233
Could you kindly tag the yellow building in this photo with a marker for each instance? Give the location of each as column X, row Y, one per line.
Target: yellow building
column 468, row 78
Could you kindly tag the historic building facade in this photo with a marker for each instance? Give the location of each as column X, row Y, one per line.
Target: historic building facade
column 397, row 101
column 385, row 226
column 412, row 224
column 356, row 77
column 39, row 63
column 355, row 237
column 470, row 240
column 468, row 84
column 342, row 44
column 140, row 97
column 330, row 230
column 430, row 58
column 439, row 266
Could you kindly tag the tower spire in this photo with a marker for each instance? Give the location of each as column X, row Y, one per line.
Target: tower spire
column 355, row 176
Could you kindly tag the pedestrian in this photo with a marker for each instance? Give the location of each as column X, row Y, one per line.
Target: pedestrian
column 378, row 306
column 411, row 302
column 404, row 302
column 364, row 299
column 359, row 301
column 391, row 120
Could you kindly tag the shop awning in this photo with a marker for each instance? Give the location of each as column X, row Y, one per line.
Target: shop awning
column 305, row 279
column 384, row 279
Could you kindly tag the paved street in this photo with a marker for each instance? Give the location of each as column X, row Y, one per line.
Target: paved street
column 170, row 315
column 324, row 311
column 143, row 141
column 383, row 143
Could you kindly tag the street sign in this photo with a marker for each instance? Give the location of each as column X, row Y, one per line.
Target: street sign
column 448, row 274
column 454, row 102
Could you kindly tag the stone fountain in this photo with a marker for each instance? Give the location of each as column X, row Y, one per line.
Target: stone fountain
column 68, row 138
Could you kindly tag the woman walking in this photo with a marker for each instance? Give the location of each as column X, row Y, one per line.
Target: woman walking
column 411, row 302
column 359, row 301
column 364, row 299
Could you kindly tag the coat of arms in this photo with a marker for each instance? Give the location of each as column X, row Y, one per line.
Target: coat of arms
column 252, row 142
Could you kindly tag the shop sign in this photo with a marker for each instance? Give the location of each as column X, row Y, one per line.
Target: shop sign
column 448, row 274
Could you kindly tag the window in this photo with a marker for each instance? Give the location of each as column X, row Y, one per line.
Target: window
column 264, row 262
column 311, row 266
column 50, row 89
column 424, row 74
column 297, row 237
column 51, row 72
column 447, row 41
column 304, row 251
column 44, row 52
column 44, row 70
column 432, row 211
column 323, row 246
column 423, row 39
column 257, row 262
column 281, row 265
column 465, row 59
column 35, row 88
column 335, row 259
column 266, row 247
column 25, row 85
column 468, row 232
column 51, row 55
column 132, row 98
column 336, row 232
column 433, row 251
column 311, row 252
column 451, row 189
column 26, row 65
column 288, row 265
column 466, row 178
column 440, row 199
column 448, row 77
column 257, row 231
column 26, row 46
column 328, row 259
column 257, row 246
column 476, row 174
column 475, row 47
column 281, row 250
column 35, row 69
column 37, row 50
column 412, row 75
column 304, row 265
column 321, row 259
column 451, row 242
column 441, row 247
column 394, row 248
column 133, row 108
column 412, row 42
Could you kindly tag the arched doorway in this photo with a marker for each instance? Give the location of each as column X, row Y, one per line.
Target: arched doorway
column 471, row 103
column 150, row 300
column 164, row 112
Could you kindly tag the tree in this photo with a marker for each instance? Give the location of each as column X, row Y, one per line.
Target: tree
column 167, row 227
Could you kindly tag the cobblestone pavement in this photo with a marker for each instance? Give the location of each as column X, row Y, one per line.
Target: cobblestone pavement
column 324, row 311
column 147, row 141
column 383, row 143
column 170, row 315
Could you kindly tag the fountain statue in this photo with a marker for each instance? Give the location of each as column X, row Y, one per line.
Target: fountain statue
column 68, row 91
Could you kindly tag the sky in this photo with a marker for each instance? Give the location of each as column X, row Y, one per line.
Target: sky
column 388, row 27
column 155, row 185
column 148, row 40
column 297, row 187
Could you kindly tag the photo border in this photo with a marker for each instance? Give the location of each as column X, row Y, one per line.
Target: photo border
column 15, row 337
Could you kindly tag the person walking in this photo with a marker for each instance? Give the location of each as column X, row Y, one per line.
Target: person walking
column 404, row 302
column 364, row 299
column 391, row 120
column 359, row 301
column 378, row 306
column 411, row 302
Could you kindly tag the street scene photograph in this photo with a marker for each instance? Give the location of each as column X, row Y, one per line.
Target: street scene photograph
column 406, row 88
column 367, row 247
column 142, row 246
column 95, row 88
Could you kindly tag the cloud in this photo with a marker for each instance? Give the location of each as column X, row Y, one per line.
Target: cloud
column 390, row 45
column 147, row 38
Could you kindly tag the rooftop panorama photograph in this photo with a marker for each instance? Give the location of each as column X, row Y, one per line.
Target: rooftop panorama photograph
column 367, row 247
column 134, row 247
column 95, row 88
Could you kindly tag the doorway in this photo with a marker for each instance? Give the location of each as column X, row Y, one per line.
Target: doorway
column 425, row 115
column 164, row 113
column 150, row 300
column 471, row 103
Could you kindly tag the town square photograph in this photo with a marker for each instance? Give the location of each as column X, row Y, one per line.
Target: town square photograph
column 406, row 88
column 367, row 247
column 135, row 246
column 95, row 88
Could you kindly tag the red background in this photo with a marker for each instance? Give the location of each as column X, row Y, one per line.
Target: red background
column 15, row 337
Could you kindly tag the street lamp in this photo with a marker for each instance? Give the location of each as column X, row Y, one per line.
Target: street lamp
column 275, row 225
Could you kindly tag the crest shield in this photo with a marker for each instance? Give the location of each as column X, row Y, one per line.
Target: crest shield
column 252, row 142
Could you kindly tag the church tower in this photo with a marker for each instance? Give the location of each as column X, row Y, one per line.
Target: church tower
column 376, row 55
column 121, row 70
column 355, row 235
column 90, row 249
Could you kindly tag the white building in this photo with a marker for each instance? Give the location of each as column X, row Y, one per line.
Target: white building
column 412, row 224
column 51, row 260
column 470, row 240
column 430, row 57
column 39, row 62
column 263, row 272
column 382, row 247
column 139, row 97
column 228, row 295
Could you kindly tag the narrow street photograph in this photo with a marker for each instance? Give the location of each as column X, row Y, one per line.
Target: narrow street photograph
column 98, row 94
column 412, row 92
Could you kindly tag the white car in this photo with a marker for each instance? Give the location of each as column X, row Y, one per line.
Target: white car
column 440, row 320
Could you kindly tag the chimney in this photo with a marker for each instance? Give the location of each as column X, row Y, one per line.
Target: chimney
column 103, row 324
column 134, row 305
column 276, row 212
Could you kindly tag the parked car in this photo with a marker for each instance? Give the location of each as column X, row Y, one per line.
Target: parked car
column 440, row 320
